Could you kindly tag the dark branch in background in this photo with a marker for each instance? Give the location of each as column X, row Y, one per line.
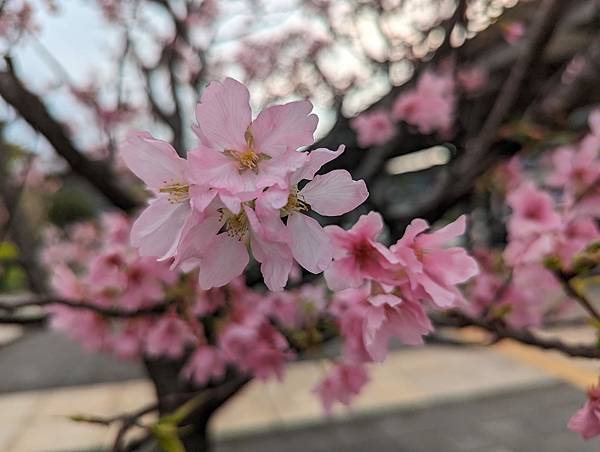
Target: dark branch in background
column 501, row 331
column 31, row 109
column 567, row 95
column 12, row 304
column 565, row 280
column 484, row 151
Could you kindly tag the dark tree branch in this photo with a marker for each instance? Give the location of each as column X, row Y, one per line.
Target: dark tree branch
column 502, row 331
column 484, row 151
column 31, row 109
column 565, row 280
column 12, row 304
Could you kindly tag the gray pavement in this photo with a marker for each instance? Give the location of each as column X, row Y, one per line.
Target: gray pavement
column 46, row 359
column 526, row 421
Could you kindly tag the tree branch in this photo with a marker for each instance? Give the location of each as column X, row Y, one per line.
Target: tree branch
column 15, row 303
column 502, row 331
column 31, row 109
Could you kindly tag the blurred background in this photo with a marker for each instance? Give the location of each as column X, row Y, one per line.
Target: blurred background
column 77, row 75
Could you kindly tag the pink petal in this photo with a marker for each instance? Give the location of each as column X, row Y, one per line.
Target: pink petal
column 316, row 159
column 443, row 236
column 283, row 127
column 374, row 337
column 276, row 262
column 224, row 260
column 270, row 248
column 441, row 296
column 201, row 197
column 415, row 227
column 157, row 230
column 196, row 239
column 369, row 225
column 309, row 242
column 343, row 274
column 223, row 115
column 154, row 161
column 453, row 265
column 210, row 167
column 334, row 193
column 340, row 240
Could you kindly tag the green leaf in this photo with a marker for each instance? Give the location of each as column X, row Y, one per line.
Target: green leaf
column 8, row 251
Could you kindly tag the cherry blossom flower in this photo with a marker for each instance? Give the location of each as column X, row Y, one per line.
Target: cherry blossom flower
column 532, row 211
column 237, row 154
column 157, row 230
column 357, row 254
column 235, row 189
column 512, row 32
column 586, row 421
column 430, row 105
column 169, row 337
column 576, row 169
column 432, row 268
column 373, row 128
column 205, row 364
column 342, row 384
column 258, row 349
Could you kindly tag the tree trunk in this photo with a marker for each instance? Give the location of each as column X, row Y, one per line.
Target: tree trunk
column 172, row 391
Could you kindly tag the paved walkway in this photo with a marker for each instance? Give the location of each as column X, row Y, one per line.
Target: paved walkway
column 531, row 420
column 415, row 385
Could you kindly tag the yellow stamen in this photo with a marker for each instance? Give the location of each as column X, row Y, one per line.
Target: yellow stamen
column 177, row 192
column 248, row 159
column 236, row 225
column 295, row 203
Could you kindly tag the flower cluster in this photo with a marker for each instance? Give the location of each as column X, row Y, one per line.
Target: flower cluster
column 549, row 225
column 247, row 186
column 383, row 292
column 240, row 188
column 94, row 265
column 373, row 128
column 429, row 107
column 388, row 288
column 542, row 225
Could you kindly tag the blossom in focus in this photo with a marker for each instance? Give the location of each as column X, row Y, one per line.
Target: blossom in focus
column 157, row 230
column 586, row 421
column 430, row 105
column 342, row 384
column 373, row 128
column 236, row 187
column 241, row 155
